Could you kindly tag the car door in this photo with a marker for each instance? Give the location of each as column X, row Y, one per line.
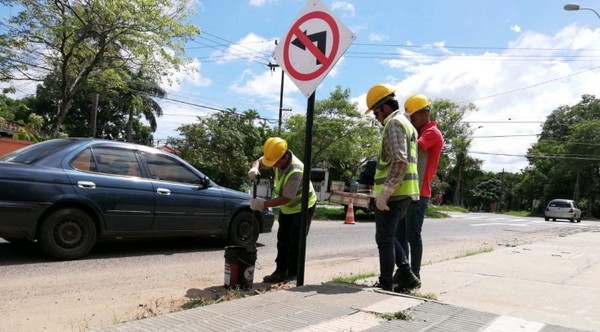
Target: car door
column 183, row 202
column 110, row 179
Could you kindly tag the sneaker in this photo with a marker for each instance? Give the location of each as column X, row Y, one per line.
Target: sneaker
column 275, row 277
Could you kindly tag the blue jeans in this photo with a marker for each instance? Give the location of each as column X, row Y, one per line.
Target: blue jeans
column 390, row 250
column 410, row 235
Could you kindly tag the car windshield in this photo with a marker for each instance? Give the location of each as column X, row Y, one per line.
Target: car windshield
column 562, row 204
column 33, row 152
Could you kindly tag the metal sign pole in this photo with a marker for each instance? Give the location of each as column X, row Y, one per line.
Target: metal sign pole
column 310, row 107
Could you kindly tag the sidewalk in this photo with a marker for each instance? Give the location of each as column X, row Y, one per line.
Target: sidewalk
column 546, row 286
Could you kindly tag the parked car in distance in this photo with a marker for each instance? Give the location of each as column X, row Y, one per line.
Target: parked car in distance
column 562, row 209
column 66, row 193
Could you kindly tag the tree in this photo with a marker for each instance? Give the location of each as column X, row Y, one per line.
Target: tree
column 139, row 99
column 485, row 193
column 343, row 139
column 118, row 116
column 566, row 157
column 221, row 145
column 455, row 162
column 93, row 41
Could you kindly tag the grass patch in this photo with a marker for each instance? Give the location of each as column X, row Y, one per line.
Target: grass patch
column 475, row 252
column 354, row 277
column 399, row 315
column 417, row 293
column 435, row 212
column 232, row 294
column 450, row 208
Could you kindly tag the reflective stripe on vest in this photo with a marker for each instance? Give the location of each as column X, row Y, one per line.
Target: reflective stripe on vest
column 410, row 182
column 295, row 204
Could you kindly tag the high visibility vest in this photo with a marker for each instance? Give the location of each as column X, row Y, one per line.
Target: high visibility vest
column 295, row 204
column 410, row 183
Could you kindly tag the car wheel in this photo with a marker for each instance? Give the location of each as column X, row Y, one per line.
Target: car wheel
column 67, row 233
column 546, row 219
column 242, row 231
column 579, row 220
column 572, row 220
column 553, row 219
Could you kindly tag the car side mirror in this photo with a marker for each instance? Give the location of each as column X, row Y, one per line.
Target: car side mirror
column 205, row 182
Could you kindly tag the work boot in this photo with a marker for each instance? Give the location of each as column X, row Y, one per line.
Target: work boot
column 406, row 279
column 291, row 275
column 275, row 277
column 385, row 288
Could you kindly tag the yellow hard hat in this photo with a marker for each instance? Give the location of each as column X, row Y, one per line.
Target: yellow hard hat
column 377, row 96
column 273, row 150
column 416, row 103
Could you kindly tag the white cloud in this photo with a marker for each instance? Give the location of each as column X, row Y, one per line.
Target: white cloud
column 376, row 37
column 515, row 28
column 190, row 75
column 344, row 6
column 525, row 90
column 251, row 47
column 260, row 3
column 261, row 91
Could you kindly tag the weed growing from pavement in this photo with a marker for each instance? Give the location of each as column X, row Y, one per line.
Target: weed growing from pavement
column 231, row 294
column 475, row 252
column 399, row 315
column 416, row 293
column 354, row 277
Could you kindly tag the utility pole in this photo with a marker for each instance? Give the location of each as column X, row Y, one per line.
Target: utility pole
column 272, row 67
column 94, row 115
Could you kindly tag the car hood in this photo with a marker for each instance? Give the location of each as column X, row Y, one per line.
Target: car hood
column 234, row 194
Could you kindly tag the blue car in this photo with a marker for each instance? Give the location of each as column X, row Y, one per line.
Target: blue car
column 66, row 193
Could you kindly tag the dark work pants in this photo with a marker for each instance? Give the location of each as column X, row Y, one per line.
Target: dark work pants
column 390, row 251
column 288, row 240
column 410, row 236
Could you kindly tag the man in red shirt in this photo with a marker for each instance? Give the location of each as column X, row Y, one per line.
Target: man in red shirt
column 430, row 145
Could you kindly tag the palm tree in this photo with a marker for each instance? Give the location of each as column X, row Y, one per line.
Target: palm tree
column 139, row 99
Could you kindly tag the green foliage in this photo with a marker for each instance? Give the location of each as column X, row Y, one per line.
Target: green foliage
column 398, row 315
column 119, row 113
column 352, row 278
column 446, row 208
column 221, row 145
column 565, row 162
column 486, row 192
column 456, row 169
column 343, row 139
column 96, row 42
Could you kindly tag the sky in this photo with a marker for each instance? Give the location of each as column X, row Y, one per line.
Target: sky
column 515, row 60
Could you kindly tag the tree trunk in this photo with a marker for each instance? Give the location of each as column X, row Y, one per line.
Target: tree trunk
column 63, row 110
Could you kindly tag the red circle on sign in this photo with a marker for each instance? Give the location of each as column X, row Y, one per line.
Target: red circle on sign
column 325, row 60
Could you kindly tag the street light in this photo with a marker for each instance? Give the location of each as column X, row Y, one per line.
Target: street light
column 573, row 7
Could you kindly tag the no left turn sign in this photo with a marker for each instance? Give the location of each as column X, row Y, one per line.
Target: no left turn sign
column 312, row 46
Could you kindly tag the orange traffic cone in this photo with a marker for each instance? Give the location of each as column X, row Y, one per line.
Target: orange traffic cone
column 350, row 213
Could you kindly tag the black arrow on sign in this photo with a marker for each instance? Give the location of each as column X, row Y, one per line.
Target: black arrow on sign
column 319, row 37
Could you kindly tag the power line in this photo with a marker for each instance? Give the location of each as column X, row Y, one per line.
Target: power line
column 564, row 157
column 528, row 87
column 210, row 108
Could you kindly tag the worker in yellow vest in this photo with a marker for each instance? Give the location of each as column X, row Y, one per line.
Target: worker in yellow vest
column 396, row 186
column 287, row 195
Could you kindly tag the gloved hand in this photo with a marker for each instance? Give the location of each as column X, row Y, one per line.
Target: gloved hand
column 253, row 173
column 257, row 204
column 381, row 200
